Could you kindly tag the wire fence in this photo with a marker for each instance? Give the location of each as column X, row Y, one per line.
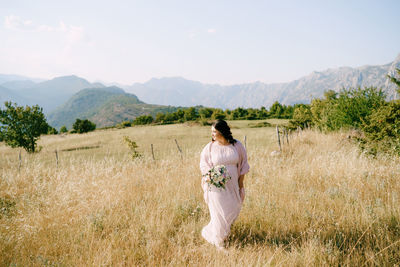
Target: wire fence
column 282, row 138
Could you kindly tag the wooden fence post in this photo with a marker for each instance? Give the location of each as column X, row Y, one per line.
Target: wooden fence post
column 152, row 152
column 179, row 149
column 279, row 139
column 245, row 142
column 287, row 137
column 20, row 161
column 56, row 158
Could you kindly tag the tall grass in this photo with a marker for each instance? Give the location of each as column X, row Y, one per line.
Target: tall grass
column 320, row 202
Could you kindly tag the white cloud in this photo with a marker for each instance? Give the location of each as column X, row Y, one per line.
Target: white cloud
column 45, row 28
column 212, row 31
column 75, row 34
column 12, row 22
column 72, row 34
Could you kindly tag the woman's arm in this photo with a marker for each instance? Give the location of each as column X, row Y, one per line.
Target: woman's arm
column 205, row 163
column 241, row 187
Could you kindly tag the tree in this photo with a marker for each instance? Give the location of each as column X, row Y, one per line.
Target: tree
column 218, row 114
column 239, row 113
column 251, row 114
column 180, row 114
column 83, row 126
column 263, row 113
column 52, row 130
column 348, row 109
column 22, row 126
column 205, row 113
column 382, row 129
column 276, row 110
column 302, row 116
column 63, row 129
column 160, row 117
column 142, row 120
column 190, row 114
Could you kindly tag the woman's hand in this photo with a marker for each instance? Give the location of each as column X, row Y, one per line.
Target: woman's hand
column 241, row 193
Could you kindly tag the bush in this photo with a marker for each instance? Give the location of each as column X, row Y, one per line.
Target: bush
column 191, row 114
column 83, row 126
column 382, row 130
column 205, row 113
column 143, row 120
column 218, row 114
column 63, row 129
column 348, row 110
column 52, row 130
column 260, row 124
column 124, row 124
column 132, row 147
column 302, row 117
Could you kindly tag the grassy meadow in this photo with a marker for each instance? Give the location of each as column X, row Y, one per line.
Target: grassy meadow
column 321, row 202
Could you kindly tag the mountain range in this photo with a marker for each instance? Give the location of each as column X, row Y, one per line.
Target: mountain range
column 182, row 92
column 65, row 98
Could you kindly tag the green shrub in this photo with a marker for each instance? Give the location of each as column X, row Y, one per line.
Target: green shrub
column 260, row 124
column 52, row 130
column 124, row 124
column 83, row 126
column 205, row 113
column 191, row 114
column 63, row 129
column 218, row 114
column 382, row 130
column 132, row 147
column 302, row 117
column 347, row 110
column 143, row 120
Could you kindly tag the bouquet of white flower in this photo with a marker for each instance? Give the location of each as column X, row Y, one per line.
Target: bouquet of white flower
column 217, row 176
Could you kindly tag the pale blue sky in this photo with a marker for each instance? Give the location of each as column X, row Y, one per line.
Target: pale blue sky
column 224, row 42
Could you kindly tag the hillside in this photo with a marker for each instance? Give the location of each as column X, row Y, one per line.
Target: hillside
column 47, row 94
column 104, row 106
column 9, row 95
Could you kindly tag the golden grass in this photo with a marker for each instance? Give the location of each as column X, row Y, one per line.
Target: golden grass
column 320, row 203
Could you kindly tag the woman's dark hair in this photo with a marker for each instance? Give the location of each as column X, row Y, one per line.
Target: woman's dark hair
column 222, row 127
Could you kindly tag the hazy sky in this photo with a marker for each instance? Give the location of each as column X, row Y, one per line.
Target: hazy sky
column 224, row 42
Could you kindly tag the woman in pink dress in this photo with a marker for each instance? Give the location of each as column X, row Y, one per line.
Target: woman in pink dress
column 224, row 204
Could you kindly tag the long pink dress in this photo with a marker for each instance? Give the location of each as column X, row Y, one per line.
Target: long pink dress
column 224, row 204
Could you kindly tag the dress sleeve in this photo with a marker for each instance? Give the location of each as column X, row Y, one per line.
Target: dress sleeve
column 205, row 162
column 244, row 165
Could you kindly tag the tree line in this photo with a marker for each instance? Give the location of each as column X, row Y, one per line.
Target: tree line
column 205, row 114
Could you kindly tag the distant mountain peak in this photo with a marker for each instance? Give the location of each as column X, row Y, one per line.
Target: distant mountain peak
column 397, row 59
column 68, row 78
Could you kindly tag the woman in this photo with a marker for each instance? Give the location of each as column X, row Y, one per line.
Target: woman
column 224, row 204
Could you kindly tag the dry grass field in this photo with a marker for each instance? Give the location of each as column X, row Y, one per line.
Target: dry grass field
column 321, row 202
